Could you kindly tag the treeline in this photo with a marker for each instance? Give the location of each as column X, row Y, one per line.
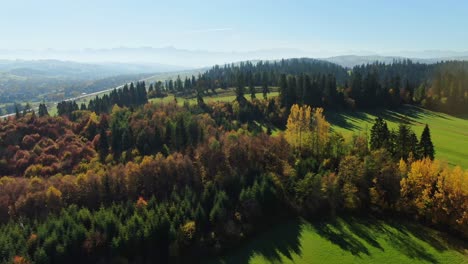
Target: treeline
column 190, row 182
column 442, row 86
column 249, row 74
column 318, row 90
column 128, row 96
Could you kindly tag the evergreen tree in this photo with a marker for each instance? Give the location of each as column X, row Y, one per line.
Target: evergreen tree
column 43, row 110
column 380, row 135
column 414, row 145
column 240, row 89
column 265, row 89
column 27, row 108
column 425, row 144
column 17, row 112
column 252, row 91
column 283, row 90
column 103, row 147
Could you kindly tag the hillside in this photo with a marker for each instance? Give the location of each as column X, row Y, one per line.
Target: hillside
column 449, row 133
column 53, row 80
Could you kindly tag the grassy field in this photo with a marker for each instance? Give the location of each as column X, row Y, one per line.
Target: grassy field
column 220, row 96
column 449, row 134
column 349, row 240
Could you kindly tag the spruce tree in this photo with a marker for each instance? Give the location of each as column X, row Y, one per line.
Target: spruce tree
column 252, row 91
column 43, row 110
column 380, row 135
column 240, row 88
column 403, row 141
column 426, row 146
column 265, row 89
column 103, row 146
column 17, row 112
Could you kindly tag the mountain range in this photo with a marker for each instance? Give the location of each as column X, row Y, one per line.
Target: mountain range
column 173, row 59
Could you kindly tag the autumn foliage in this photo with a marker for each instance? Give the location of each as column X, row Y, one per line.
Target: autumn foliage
column 164, row 181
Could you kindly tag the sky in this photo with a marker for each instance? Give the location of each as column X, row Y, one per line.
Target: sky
column 339, row 26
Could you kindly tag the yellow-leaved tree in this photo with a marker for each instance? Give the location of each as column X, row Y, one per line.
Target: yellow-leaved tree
column 299, row 127
column 307, row 131
column 418, row 188
column 438, row 193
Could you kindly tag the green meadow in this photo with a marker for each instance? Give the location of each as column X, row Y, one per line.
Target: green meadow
column 449, row 133
column 349, row 240
column 220, row 96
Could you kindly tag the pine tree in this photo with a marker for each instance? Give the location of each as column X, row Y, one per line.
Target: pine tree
column 27, row 108
column 426, row 146
column 283, row 90
column 265, row 89
column 252, row 91
column 103, row 147
column 380, row 135
column 17, row 112
column 403, row 141
column 240, row 88
column 43, row 110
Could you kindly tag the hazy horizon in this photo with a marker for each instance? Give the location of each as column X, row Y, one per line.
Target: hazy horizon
column 312, row 27
column 173, row 56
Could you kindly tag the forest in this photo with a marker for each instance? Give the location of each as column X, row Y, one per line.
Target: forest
column 124, row 180
column 441, row 86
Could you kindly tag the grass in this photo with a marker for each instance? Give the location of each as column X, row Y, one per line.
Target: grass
column 220, row 96
column 349, row 240
column 449, row 134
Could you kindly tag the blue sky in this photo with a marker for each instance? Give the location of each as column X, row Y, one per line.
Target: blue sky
column 377, row 26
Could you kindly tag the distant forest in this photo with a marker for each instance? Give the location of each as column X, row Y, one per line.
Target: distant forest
column 442, row 86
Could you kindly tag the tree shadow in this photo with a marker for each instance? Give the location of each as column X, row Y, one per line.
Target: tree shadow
column 361, row 229
column 440, row 241
column 345, row 119
column 353, row 234
column 401, row 242
column 348, row 233
column 336, row 233
column 281, row 239
column 414, row 115
column 406, row 114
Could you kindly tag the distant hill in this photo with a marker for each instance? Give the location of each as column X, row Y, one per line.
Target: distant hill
column 76, row 70
column 350, row 61
column 167, row 57
column 353, row 60
column 164, row 55
column 34, row 80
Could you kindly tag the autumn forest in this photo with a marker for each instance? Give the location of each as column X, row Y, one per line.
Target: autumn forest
column 122, row 179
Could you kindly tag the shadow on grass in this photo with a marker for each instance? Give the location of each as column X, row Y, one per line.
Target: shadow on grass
column 407, row 114
column 407, row 238
column 343, row 119
column 440, row 241
column 411, row 115
column 283, row 239
column 336, row 233
column 356, row 235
